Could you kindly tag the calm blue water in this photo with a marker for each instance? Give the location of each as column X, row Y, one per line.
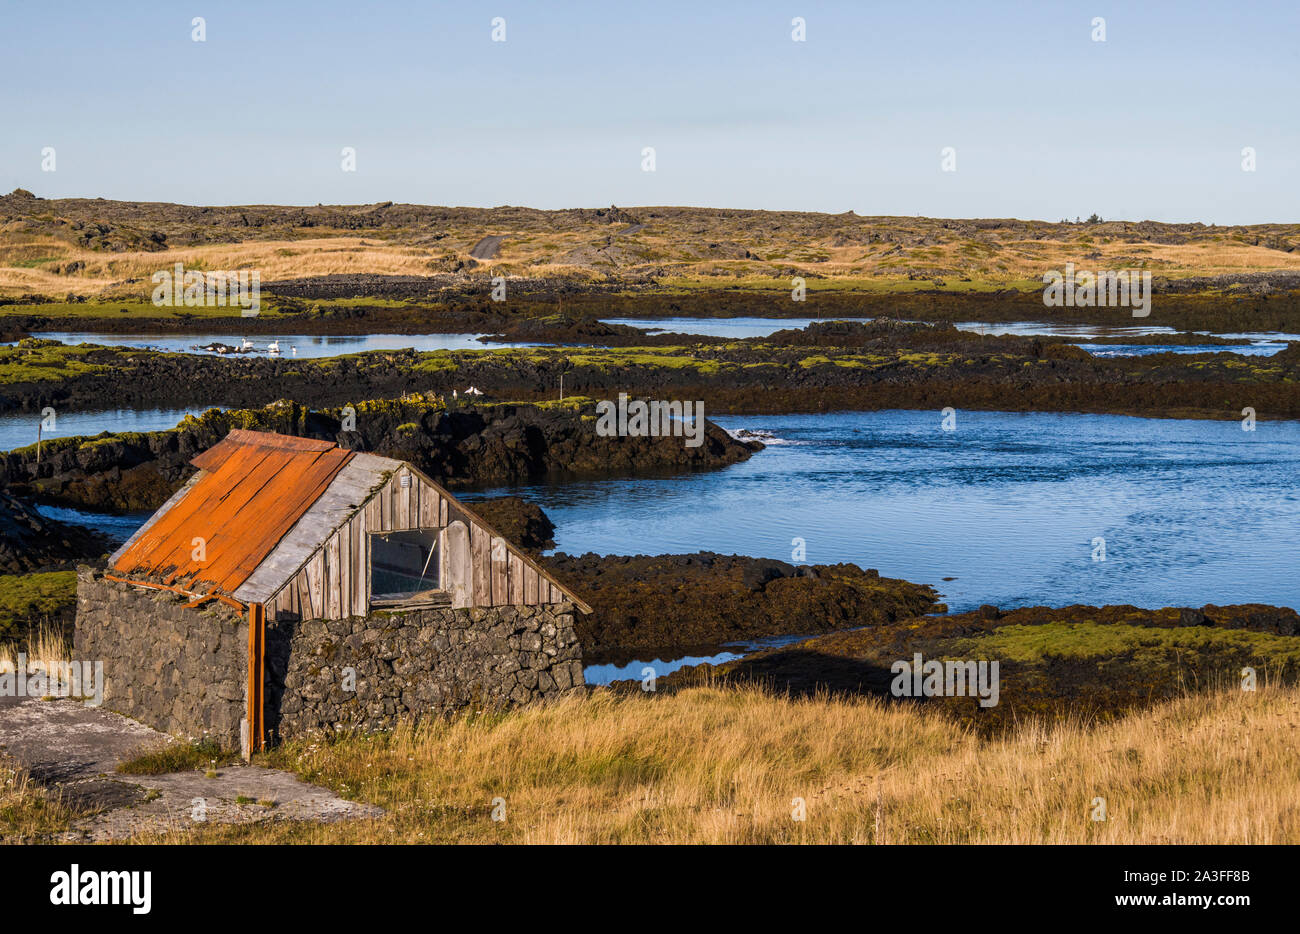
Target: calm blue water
column 1264, row 344
column 314, row 346
column 762, row 327
column 1045, row 329
column 1192, row 512
column 1008, row 505
column 723, row 327
column 18, row 429
column 307, row 346
column 117, row 528
column 1257, row 349
column 1259, row 335
column 636, row 670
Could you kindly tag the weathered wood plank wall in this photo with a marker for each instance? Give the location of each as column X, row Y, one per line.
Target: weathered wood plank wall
column 477, row 568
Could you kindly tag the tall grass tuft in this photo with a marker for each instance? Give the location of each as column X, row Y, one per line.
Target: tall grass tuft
column 45, row 644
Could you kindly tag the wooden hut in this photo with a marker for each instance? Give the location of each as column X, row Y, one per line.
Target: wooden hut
column 295, row 535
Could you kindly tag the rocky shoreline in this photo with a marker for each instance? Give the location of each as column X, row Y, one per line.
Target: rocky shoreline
column 825, row 367
column 645, row 604
column 32, row 542
column 1080, row 663
column 459, row 445
column 462, row 304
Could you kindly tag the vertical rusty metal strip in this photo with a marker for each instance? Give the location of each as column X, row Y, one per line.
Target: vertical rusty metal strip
column 256, row 674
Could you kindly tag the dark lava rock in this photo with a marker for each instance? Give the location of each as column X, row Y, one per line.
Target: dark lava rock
column 463, row 445
column 1050, row 683
column 517, row 520
column 1190, row 617
column 645, row 603
column 570, row 328
column 762, row 570
column 31, row 542
column 1282, row 621
column 989, row 611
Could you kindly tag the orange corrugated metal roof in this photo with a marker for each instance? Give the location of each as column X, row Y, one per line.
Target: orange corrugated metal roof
column 253, row 487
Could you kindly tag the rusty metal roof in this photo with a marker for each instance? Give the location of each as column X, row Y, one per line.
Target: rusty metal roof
column 349, row 490
column 251, row 490
column 263, row 504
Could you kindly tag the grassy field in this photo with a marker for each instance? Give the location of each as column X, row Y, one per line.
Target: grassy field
column 730, row 760
column 28, row 812
column 1101, row 663
column 109, row 249
column 737, row 764
column 126, row 309
column 108, row 276
column 28, row 600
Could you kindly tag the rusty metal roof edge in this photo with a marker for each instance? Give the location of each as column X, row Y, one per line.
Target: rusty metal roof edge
column 247, row 437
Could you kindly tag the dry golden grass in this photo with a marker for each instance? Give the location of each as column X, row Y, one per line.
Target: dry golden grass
column 38, row 263
column 104, row 274
column 726, row 765
column 46, row 646
column 28, row 812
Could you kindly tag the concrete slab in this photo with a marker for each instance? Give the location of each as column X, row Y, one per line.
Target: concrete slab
column 76, row 749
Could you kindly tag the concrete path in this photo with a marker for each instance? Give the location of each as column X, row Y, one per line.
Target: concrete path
column 487, row 247
column 65, row 745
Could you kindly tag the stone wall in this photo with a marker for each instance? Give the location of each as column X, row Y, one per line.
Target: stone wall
column 416, row 662
column 183, row 671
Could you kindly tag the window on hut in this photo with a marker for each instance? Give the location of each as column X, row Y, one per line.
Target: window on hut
column 403, row 565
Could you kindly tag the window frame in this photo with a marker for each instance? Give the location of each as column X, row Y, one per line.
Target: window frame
column 433, row 596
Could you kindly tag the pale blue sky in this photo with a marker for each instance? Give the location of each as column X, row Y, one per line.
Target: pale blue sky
column 1046, row 122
